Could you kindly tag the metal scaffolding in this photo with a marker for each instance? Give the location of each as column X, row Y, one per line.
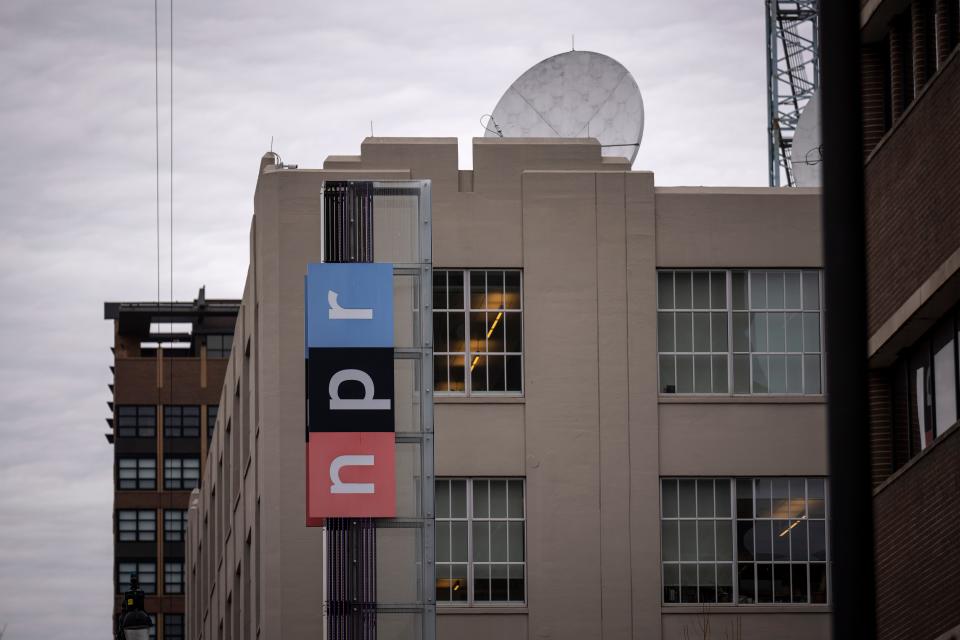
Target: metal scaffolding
column 793, row 75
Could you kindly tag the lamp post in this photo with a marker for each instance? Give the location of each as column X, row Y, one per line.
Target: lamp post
column 135, row 625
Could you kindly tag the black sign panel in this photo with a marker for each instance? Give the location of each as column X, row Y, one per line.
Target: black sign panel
column 350, row 389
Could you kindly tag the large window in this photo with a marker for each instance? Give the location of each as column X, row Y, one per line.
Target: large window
column 181, row 421
column 478, row 331
column 137, row 473
column 136, row 421
column 742, row 332
column 172, row 626
column 480, row 540
column 744, row 540
column 173, row 576
column 145, row 570
column 181, row 473
column 219, row 345
column 933, row 390
column 174, row 524
column 136, row 525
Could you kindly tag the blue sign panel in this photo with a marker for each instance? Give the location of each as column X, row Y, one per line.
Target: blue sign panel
column 349, row 305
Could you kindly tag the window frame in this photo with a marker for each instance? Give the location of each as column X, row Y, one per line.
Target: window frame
column 139, row 564
column 178, row 620
column 181, row 518
column 735, row 561
column 220, row 352
column 138, row 467
column 177, row 412
column 139, row 535
column 170, row 568
column 468, row 354
column 732, row 353
column 469, row 519
column 169, row 483
column 140, row 412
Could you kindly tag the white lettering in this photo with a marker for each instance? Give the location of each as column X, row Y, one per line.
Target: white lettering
column 336, row 312
column 339, row 463
column 367, row 403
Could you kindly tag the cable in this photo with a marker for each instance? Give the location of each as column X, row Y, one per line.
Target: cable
column 171, row 196
column 156, row 115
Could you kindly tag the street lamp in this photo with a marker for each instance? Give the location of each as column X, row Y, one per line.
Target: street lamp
column 136, row 625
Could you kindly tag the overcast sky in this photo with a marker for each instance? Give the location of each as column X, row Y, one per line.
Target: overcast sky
column 78, row 193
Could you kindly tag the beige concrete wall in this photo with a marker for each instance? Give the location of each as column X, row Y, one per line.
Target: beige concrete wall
column 591, row 435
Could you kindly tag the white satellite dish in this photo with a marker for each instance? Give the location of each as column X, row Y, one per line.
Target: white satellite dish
column 577, row 94
column 806, row 153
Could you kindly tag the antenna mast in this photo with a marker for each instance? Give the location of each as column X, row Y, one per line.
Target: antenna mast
column 793, row 75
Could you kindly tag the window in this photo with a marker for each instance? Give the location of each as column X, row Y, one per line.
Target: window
column 137, row 473
column 172, row 626
column 136, row 525
column 480, row 540
column 744, row 540
column 212, row 410
column 181, row 421
column 219, row 345
column 741, row 332
column 138, row 421
column 174, row 525
column 152, row 633
column 478, row 331
column 146, row 571
column 173, row 576
column 933, row 386
column 181, row 473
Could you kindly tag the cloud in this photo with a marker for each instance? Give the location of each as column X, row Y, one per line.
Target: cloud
column 77, row 183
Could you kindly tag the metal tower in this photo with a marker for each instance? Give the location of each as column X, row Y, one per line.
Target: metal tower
column 793, row 75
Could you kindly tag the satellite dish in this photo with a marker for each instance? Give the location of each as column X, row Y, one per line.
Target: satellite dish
column 806, row 153
column 577, row 94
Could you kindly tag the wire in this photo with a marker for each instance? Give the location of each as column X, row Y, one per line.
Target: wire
column 156, row 117
column 498, row 131
column 171, row 195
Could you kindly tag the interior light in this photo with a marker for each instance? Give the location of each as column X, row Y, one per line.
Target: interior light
column 494, row 325
column 456, row 586
column 476, row 359
column 787, row 530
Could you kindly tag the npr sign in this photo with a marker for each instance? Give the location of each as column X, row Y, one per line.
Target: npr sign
column 350, row 391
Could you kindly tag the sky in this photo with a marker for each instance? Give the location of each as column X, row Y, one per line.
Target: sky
column 78, row 188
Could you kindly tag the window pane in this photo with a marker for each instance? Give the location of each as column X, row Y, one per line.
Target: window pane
column 494, row 289
column 457, row 366
column 457, row 331
column 455, row 289
column 758, row 290
column 708, row 583
column 746, row 584
column 722, row 489
column 701, row 332
column 688, row 539
column 478, row 373
column 775, row 290
column 498, row 583
column 688, row 499
column 745, row 543
column 498, row 498
column 481, row 541
column 705, row 498
column 781, row 583
column 811, row 332
column 684, row 331
column 439, row 289
column 781, row 540
column 764, row 583
column 791, row 281
column 744, row 498
column 718, row 290
column 669, row 540
column 478, row 331
column 481, row 582
column 944, row 382
column 498, row 541
column 683, row 296
column 777, row 374
column 481, row 503
column 440, row 332
column 665, row 337
column 701, row 290
column 665, row 290
column 668, row 374
column 741, row 332
column 515, row 498
column 478, row 290
column 684, row 374
column 817, row 540
column 706, row 541
column 512, row 293
column 669, row 498
column 794, row 332
column 794, row 374
column 799, row 583
column 458, row 541
column 514, row 374
column 441, row 382
column 720, row 384
column 741, row 374
column 701, row 374
column 759, row 374
column 815, row 503
column 811, row 290
column 758, row 331
column 494, row 333
column 458, row 582
column 458, row 498
column 442, row 497
column 725, row 583
column 776, row 332
column 514, row 332
column 688, row 583
column 739, row 286
column 496, row 373
column 811, row 374
column 517, row 587
column 798, row 541
column 515, row 540
column 818, row 583
column 724, row 540
column 718, row 329
column 671, row 583
column 762, row 544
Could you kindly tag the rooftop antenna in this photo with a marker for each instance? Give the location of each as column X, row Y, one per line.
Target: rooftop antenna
column 572, row 46
column 271, row 144
column 371, row 128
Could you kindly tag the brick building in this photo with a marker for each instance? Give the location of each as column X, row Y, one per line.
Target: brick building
column 169, row 364
column 911, row 97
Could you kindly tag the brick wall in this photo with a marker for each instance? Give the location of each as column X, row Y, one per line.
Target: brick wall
column 881, row 432
column 918, row 559
column 913, row 197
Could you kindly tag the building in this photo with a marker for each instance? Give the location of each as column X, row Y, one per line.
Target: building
column 169, row 363
column 629, row 418
column 911, row 96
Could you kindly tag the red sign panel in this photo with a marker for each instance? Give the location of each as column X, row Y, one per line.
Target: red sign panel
column 351, row 475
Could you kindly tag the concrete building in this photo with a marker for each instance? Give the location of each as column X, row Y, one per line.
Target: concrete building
column 911, row 96
column 630, row 428
column 169, row 362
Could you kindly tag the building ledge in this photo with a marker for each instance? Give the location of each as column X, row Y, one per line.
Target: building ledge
column 438, row 399
column 708, row 399
column 445, row 610
column 744, row 609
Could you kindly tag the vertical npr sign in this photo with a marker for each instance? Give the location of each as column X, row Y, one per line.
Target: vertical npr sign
column 350, row 394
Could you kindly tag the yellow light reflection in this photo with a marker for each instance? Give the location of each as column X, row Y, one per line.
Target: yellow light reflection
column 787, row 530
